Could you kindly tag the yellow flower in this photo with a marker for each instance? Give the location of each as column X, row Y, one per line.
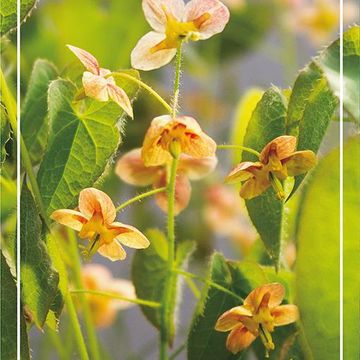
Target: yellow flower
column 277, row 161
column 167, row 137
column 174, row 21
column 95, row 221
column 258, row 316
column 131, row 169
column 97, row 82
column 104, row 309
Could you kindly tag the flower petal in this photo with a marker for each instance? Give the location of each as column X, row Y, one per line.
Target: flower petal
column 254, row 187
column 285, row 314
column 232, row 318
column 152, row 152
column 96, row 277
column 95, row 86
column 243, row 171
column 239, row 339
column 88, row 60
column 146, row 57
column 71, row 218
column 196, row 168
column 300, row 162
column 131, row 169
column 254, row 299
column 92, row 201
column 113, row 251
column 120, row 97
column 182, row 194
column 282, row 147
column 124, row 288
column 130, row 236
column 156, row 11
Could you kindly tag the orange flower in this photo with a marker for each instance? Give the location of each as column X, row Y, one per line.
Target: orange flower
column 131, row 169
column 97, row 84
column 277, row 161
column 95, row 221
column 258, row 316
column 104, row 309
column 167, row 137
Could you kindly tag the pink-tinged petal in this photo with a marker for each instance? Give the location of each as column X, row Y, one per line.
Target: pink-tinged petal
column 130, row 236
column 300, row 162
column 113, row 251
column 124, row 288
column 232, row 318
column 93, row 201
column 120, row 97
column 71, row 218
column 254, row 187
column 281, row 147
column 285, row 314
column 88, row 60
column 131, row 169
column 196, row 168
column 243, row 172
column 95, row 86
column 152, row 152
column 146, row 57
column 254, row 299
column 209, row 16
column 182, row 194
column 157, row 11
column 239, row 339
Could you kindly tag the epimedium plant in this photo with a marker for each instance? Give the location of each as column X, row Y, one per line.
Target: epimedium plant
column 71, row 130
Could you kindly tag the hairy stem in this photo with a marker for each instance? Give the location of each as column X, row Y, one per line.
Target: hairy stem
column 140, row 197
column 175, row 101
column 238, row 147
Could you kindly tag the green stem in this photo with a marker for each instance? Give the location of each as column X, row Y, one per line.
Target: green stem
column 140, row 197
column 178, row 351
column 9, row 102
column 146, row 87
column 175, row 101
column 56, row 342
column 238, row 147
column 76, row 327
column 165, row 326
column 209, row 282
column 88, row 320
column 192, row 286
column 151, row 304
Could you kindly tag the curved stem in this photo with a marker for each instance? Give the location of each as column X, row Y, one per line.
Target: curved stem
column 192, row 286
column 238, row 147
column 178, row 351
column 152, row 304
column 140, row 197
column 175, row 100
column 208, row 282
column 146, row 87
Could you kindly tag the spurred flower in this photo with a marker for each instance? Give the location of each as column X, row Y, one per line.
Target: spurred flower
column 258, row 316
column 97, row 82
column 95, row 221
column 131, row 169
column 182, row 135
column 173, row 22
column 277, row 161
column 104, row 309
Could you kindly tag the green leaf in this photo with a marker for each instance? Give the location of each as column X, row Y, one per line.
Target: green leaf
column 83, row 138
column 34, row 121
column 267, row 122
column 351, row 248
column 8, row 11
column 4, row 133
column 9, row 318
column 39, row 280
column 317, row 266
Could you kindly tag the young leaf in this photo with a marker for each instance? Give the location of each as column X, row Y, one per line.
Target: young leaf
column 83, row 138
column 267, row 122
column 317, row 264
column 34, row 121
column 39, row 280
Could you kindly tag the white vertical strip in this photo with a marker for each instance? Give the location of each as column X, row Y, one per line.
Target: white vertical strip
column 18, row 163
column 341, row 133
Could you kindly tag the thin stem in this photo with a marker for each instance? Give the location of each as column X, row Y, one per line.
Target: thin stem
column 88, row 320
column 151, row 304
column 238, row 147
column 148, row 88
column 56, row 342
column 76, row 327
column 192, row 286
column 140, row 197
column 209, row 282
column 178, row 351
column 165, row 327
column 9, row 102
column 175, row 101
